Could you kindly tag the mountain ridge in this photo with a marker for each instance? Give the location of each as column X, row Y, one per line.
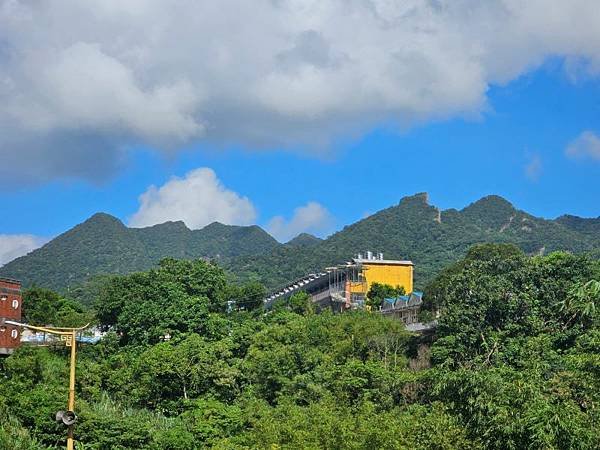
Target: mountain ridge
column 411, row 229
column 432, row 238
column 102, row 244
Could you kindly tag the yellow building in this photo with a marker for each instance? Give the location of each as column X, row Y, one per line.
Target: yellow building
column 346, row 286
column 375, row 269
column 392, row 272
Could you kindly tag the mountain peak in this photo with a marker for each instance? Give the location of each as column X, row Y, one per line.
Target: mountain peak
column 420, row 198
column 489, row 202
column 102, row 216
column 177, row 225
column 218, row 226
column 491, row 212
column 417, row 206
column 103, row 219
column 304, row 239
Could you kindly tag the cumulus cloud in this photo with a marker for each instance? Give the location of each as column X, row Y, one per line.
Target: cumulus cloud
column 14, row 245
column 311, row 218
column 199, row 198
column 81, row 82
column 585, row 146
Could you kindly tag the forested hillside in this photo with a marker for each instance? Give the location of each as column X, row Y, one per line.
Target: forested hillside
column 103, row 245
column 413, row 229
column 422, row 233
column 513, row 364
column 304, row 240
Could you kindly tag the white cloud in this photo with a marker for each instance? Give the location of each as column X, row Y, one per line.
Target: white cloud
column 14, row 245
column 533, row 169
column 109, row 98
column 311, row 218
column 80, row 82
column 585, row 146
column 199, row 198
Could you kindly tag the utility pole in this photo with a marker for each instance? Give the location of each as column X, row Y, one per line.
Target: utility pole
column 68, row 335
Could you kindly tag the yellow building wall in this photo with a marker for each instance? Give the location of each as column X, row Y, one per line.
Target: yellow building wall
column 394, row 275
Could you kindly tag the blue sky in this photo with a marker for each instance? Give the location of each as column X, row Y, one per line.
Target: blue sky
column 296, row 115
column 456, row 161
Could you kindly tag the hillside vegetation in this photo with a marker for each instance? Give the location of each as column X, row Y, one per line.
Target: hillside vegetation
column 413, row 229
column 103, row 245
column 513, row 364
column 431, row 238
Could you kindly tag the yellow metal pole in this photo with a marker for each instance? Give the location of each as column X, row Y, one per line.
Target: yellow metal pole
column 71, row 335
column 71, row 405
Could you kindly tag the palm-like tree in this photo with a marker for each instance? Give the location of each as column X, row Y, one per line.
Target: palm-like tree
column 582, row 302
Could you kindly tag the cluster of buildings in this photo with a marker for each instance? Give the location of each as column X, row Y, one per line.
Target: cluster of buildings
column 346, row 286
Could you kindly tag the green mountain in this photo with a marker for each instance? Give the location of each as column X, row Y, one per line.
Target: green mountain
column 431, row 238
column 304, row 240
column 587, row 227
column 413, row 229
column 103, row 245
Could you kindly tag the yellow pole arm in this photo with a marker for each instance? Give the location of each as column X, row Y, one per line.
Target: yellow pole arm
column 53, row 330
column 44, row 329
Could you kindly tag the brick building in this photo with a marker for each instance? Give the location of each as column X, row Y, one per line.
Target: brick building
column 10, row 309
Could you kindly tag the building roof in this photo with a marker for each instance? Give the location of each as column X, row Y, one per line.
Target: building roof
column 384, row 262
column 304, row 283
column 10, row 280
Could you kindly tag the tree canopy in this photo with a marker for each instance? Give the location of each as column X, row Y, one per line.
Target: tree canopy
column 512, row 364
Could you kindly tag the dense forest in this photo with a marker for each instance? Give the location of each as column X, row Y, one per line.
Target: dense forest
column 103, row 245
column 413, row 229
column 193, row 361
column 431, row 238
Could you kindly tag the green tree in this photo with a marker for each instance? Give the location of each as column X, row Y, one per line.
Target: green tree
column 583, row 304
column 378, row 292
column 167, row 373
column 176, row 298
column 514, row 364
column 45, row 307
